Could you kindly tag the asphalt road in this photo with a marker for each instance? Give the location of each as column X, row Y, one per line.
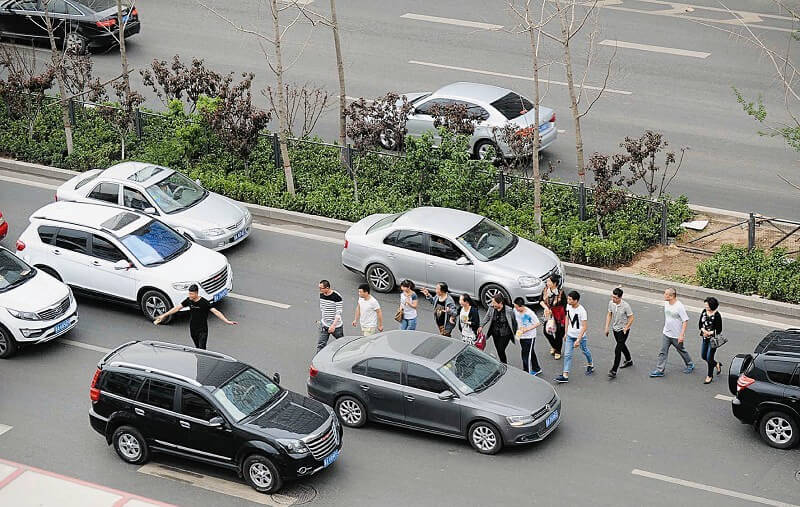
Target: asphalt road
column 672, row 426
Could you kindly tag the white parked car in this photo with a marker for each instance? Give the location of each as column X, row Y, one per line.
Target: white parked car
column 34, row 306
column 113, row 253
column 206, row 218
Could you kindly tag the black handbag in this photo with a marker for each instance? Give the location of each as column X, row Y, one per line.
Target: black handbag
column 718, row 340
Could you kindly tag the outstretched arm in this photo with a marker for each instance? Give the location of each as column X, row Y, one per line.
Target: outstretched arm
column 218, row 314
column 175, row 309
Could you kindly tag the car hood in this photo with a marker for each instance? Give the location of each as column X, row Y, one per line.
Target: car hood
column 516, row 393
column 528, row 259
column 213, row 211
column 196, row 264
column 293, row 416
column 40, row 292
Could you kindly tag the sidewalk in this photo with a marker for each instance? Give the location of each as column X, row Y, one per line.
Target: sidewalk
column 24, row 486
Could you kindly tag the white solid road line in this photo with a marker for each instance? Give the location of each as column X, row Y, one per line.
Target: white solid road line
column 4, row 428
column 260, row 301
column 451, row 21
column 87, row 346
column 654, row 49
column 299, row 234
column 723, row 397
column 711, row 489
column 512, row 76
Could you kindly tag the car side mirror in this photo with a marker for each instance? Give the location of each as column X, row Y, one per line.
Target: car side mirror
column 216, row 422
column 276, row 378
column 446, row 395
column 149, row 211
column 463, row 261
column 122, row 264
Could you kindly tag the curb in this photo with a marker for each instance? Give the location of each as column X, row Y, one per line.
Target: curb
column 577, row 270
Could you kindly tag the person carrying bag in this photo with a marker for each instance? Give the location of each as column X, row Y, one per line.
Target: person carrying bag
column 711, row 337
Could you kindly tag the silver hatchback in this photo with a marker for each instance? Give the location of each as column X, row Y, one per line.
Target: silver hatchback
column 472, row 254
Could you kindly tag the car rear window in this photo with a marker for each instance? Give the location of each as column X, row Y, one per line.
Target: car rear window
column 101, row 5
column 512, row 105
column 84, row 181
column 353, row 348
column 383, row 222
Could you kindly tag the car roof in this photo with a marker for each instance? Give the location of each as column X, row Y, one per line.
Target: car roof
column 124, row 170
column 415, row 346
column 447, row 221
column 190, row 365
column 780, row 341
column 91, row 215
column 474, row 91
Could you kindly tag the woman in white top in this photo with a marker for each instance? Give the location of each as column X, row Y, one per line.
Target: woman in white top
column 408, row 302
column 468, row 320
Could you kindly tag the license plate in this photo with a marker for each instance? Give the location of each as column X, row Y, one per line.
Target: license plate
column 544, row 126
column 330, row 458
column 239, row 235
column 221, row 294
column 64, row 324
column 551, row 419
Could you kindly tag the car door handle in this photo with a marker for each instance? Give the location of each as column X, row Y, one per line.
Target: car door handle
column 431, row 264
column 364, row 388
column 794, row 398
column 185, row 424
column 96, row 263
column 57, row 251
column 409, row 397
column 138, row 411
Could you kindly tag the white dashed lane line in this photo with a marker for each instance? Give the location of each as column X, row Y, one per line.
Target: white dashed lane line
column 451, row 21
column 4, row 428
column 87, row 346
column 654, row 49
column 266, row 302
column 723, row 397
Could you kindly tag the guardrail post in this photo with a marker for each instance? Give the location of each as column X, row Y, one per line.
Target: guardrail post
column 137, row 123
column 582, row 201
column 276, row 150
column 751, row 232
column 71, row 108
column 664, row 220
column 501, row 187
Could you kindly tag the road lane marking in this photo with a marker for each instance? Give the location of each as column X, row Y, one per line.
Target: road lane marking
column 512, row 76
column 452, row 21
column 4, row 428
column 710, row 489
column 87, row 346
column 260, row 301
column 654, row 49
column 561, row 131
column 299, row 234
column 723, row 397
column 30, row 183
column 215, row 484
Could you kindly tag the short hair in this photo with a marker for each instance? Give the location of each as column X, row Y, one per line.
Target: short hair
column 364, row 287
column 194, row 288
column 443, row 287
column 498, row 298
column 574, row 295
column 617, row 292
column 407, row 283
column 519, row 301
column 712, row 302
column 555, row 278
column 671, row 291
column 467, row 299
column 325, row 284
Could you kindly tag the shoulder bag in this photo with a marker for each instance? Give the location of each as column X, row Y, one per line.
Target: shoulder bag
column 398, row 315
column 718, row 341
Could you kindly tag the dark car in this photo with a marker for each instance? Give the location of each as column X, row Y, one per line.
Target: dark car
column 159, row 397
column 82, row 23
column 434, row 384
column 766, row 384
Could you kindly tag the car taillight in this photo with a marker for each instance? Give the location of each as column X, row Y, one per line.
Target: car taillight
column 346, row 244
column 312, row 372
column 743, row 383
column 94, row 391
column 20, row 245
column 56, row 196
column 106, row 23
column 553, row 118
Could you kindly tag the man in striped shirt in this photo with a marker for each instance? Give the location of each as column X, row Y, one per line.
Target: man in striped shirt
column 330, row 308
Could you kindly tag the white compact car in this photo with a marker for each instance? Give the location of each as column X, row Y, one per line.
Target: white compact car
column 114, row 253
column 34, row 306
column 204, row 217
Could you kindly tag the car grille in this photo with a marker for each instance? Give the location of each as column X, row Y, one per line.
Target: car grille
column 236, row 225
column 55, row 312
column 553, row 271
column 323, row 445
column 547, row 408
column 216, row 282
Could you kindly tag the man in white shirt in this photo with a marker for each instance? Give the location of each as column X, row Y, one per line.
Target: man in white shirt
column 675, row 321
column 576, row 336
column 368, row 312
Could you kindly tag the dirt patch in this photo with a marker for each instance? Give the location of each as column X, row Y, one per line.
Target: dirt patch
column 667, row 262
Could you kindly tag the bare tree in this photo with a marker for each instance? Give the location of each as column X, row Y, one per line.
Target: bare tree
column 25, row 85
column 57, row 62
column 302, row 100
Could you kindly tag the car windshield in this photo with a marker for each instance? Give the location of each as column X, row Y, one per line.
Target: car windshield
column 176, row 192
column 472, row 371
column 155, row 243
column 246, row 394
column 383, row 222
column 13, row 271
column 488, row 241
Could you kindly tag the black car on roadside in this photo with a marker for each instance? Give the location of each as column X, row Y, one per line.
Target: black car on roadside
column 152, row 396
column 766, row 385
column 82, row 23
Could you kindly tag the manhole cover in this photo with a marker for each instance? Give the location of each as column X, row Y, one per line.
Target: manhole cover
column 295, row 494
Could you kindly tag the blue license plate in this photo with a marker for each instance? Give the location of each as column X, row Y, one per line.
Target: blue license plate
column 330, row 458
column 221, row 294
column 544, row 126
column 239, row 235
column 551, row 419
column 64, row 324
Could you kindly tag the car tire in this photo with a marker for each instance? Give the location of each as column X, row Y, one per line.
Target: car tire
column 130, row 445
column 489, row 291
column 482, row 147
column 77, row 41
column 388, row 140
column 261, row 474
column 485, row 438
column 153, row 303
column 380, row 278
column 779, row 430
column 50, row 271
column 8, row 345
column 351, row 412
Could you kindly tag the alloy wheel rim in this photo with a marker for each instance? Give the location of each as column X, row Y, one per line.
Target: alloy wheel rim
column 3, row 343
column 379, row 278
column 129, row 446
column 483, row 150
column 155, row 306
column 260, row 475
column 490, row 294
column 778, row 430
column 484, row 438
column 350, row 412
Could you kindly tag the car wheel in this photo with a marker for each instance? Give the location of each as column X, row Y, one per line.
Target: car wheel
column 52, row 272
column 779, row 430
column 8, row 346
column 261, row 474
column 482, row 149
column 77, row 43
column 388, row 140
column 491, row 290
column 485, row 438
column 351, row 412
column 130, row 445
column 380, row 278
column 154, row 303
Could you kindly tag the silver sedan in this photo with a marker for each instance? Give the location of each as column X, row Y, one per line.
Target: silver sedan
column 472, row 254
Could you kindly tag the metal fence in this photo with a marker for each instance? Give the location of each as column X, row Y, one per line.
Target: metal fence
column 753, row 231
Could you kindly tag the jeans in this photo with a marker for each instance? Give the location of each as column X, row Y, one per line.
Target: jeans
column 500, row 344
column 707, row 353
column 621, row 349
column 324, row 335
column 569, row 347
column 666, row 342
column 530, row 362
column 409, row 324
column 199, row 338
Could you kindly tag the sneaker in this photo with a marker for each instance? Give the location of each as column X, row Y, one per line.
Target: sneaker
column 535, row 373
column 689, row 369
column 656, row 373
column 589, row 370
column 556, row 356
column 552, row 351
column 561, row 379
column 627, row 364
column 612, row 374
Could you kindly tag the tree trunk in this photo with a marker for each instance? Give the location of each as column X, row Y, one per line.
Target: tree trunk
column 340, row 69
column 537, row 138
column 573, row 99
column 58, row 64
column 123, row 55
column 282, row 107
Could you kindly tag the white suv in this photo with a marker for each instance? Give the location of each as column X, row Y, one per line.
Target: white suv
column 34, row 306
column 122, row 255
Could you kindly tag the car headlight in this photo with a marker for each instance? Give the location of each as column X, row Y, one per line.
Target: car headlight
column 182, row 285
column 529, row 281
column 213, row 232
column 23, row 315
column 293, row 446
column 247, row 214
column 519, row 420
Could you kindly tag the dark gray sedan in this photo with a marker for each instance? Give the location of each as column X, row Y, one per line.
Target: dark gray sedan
column 434, row 384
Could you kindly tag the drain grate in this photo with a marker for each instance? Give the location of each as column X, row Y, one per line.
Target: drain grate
column 295, row 494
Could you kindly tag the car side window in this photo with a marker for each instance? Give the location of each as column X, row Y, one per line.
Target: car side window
column 104, row 249
column 423, row 378
column 134, row 199
column 122, row 384
column 796, row 377
column 384, row 369
column 76, row 241
column 360, row 368
column 444, row 248
column 779, row 371
column 57, row 7
column 158, row 394
column 427, row 107
column 409, row 240
column 25, row 5
column 47, row 233
column 108, row 192
column 194, row 405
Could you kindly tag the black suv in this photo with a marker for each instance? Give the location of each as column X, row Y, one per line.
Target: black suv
column 767, row 388
column 152, row 396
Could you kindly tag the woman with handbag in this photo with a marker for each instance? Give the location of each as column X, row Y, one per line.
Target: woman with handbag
column 468, row 320
column 408, row 306
column 710, row 325
column 554, row 302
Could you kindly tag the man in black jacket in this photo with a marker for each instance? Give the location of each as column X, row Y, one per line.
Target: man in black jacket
column 500, row 324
